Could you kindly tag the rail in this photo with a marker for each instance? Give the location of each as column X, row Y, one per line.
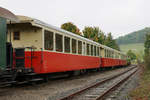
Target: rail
column 103, row 93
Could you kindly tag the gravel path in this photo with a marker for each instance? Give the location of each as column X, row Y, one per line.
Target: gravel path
column 54, row 87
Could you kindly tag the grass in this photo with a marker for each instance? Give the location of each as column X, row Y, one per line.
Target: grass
column 137, row 47
column 142, row 92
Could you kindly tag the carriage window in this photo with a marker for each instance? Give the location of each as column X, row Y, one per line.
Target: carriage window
column 110, row 54
column 97, row 51
column 87, row 49
column 84, row 48
column 91, row 50
column 94, row 50
column 79, row 47
column 74, row 46
column 105, row 53
column 59, row 46
column 16, row 35
column 48, row 40
column 67, row 44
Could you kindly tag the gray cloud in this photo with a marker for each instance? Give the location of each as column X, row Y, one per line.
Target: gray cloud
column 117, row 16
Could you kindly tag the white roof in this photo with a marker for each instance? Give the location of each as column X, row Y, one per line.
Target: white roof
column 38, row 23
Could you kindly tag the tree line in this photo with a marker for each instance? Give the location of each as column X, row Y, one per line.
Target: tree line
column 92, row 33
column 145, row 56
column 147, row 51
column 134, row 37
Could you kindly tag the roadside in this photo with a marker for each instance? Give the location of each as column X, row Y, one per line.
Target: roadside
column 142, row 92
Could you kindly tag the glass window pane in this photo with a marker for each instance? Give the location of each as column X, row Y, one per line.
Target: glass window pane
column 59, row 46
column 84, row 50
column 67, row 44
column 97, row 51
column 16, row 35
column 87, row 49
column 79, row 47
column 91, row 50
column 48, row 40
column 74, row 46
column 94, row 50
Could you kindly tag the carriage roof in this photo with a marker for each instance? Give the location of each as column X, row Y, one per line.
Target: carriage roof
column 41, row 24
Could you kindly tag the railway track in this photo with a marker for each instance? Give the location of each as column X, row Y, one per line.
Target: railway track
column 101, row 89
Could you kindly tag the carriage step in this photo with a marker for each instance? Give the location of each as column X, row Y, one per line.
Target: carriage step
column 37, row 79
column 7, row 76
column 6, row 83
column 31, row 74
column 8, row 69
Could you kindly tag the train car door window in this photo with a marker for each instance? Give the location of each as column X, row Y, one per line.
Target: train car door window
column 48, row 40
column 74, row 46
column 67, row 44
column 79, row 47
column 59, row 45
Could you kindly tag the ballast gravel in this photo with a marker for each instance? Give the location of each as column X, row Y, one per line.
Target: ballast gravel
column 55, row 89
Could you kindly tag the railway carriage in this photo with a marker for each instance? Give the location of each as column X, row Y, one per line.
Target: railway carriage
column 48, row 49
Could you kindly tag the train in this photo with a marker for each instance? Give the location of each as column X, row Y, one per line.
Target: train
column 30, row 48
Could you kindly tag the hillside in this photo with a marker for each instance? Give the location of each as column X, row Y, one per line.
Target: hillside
column 134, row 37
column 136, row 47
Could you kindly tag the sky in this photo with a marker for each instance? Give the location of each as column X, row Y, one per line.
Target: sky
column 119, row 17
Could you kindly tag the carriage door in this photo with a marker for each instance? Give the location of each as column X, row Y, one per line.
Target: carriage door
column 20, row 57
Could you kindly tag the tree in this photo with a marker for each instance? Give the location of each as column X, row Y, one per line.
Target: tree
column 147, row 44
column 110, row 42
column 95, row 34
column 102, row 38
column 69, row 26
column 147, row 51
column 115, row 45
column 131, row 55
column 91, row 33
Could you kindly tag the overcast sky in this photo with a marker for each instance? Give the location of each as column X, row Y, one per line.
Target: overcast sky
column 117, row 16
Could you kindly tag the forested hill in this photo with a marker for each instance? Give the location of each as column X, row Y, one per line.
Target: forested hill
column 134, row 37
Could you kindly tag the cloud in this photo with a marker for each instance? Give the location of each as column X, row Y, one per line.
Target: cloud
column 117, row 16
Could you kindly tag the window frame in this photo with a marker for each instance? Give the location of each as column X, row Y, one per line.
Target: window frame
column 74, row 46
column 16, row 37
column 59, row 41
column 79, row 47
column 69, row 48
column 52, row 39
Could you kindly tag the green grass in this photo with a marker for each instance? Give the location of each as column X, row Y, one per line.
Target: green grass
column 137, row 47
column 142, row 92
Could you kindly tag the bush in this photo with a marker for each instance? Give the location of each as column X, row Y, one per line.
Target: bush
column 147, row 61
